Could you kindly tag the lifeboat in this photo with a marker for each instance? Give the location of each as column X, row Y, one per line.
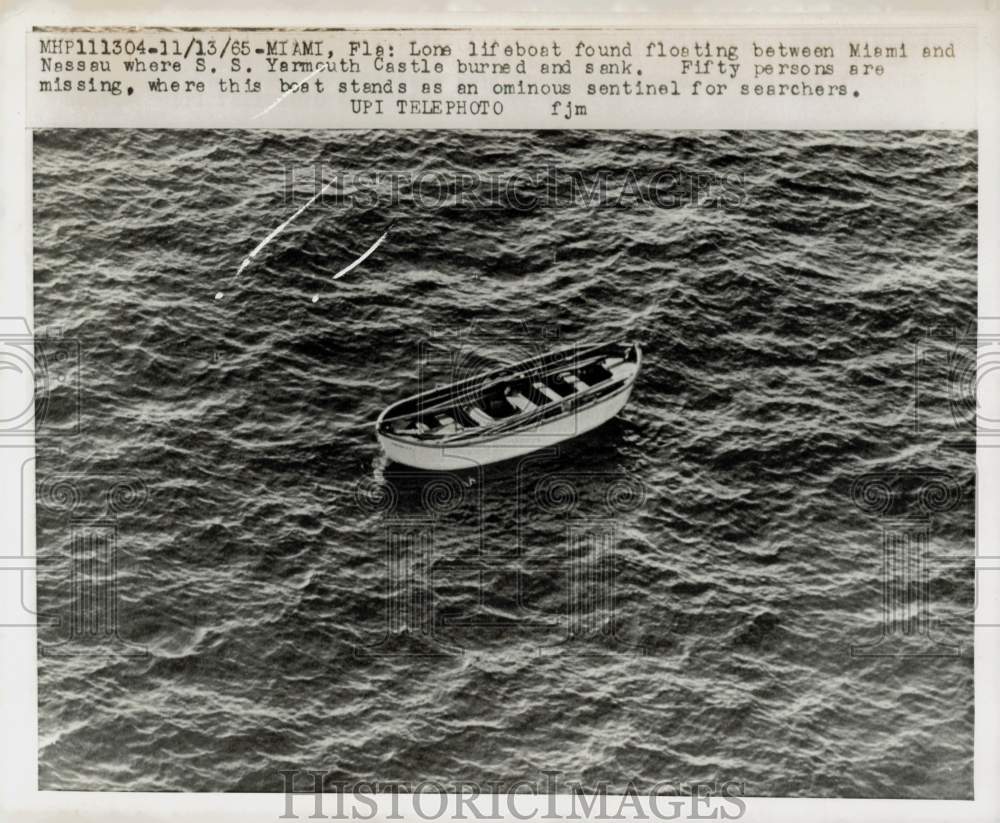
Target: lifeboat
column 511, row 411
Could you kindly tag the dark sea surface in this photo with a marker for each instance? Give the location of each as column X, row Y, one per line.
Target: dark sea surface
column 673, row 597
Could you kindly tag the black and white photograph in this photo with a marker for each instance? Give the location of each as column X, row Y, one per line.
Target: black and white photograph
column 605, row 463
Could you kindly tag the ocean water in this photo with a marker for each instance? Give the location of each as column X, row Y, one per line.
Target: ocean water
column 233, row 581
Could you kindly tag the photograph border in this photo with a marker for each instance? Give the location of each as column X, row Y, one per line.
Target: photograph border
column 18, row 675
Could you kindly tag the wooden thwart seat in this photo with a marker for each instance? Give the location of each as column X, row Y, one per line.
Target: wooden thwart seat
column 481, row 417
column 546, row 391
column 520, row 402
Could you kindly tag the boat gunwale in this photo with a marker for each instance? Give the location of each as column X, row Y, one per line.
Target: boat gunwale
column 488, row 437
column 511, row 369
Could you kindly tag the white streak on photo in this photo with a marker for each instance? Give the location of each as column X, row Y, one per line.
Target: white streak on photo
column 364, row 256
column 292, row 90
column 249, row 258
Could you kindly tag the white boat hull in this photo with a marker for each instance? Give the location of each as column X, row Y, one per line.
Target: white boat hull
column 457, row 456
